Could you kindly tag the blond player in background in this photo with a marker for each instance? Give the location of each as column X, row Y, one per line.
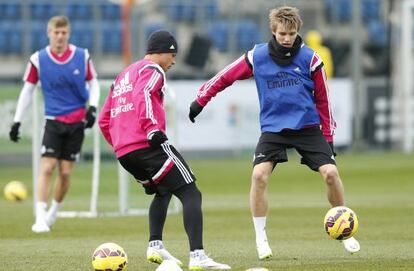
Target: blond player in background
column 71, row 95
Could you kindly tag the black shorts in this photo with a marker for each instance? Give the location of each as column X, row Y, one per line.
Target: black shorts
column 309, row 143
column 63, row 140
column 160, row 170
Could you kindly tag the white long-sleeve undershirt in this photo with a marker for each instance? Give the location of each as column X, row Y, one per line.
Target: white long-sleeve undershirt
column 25, row 98
column 94, row 92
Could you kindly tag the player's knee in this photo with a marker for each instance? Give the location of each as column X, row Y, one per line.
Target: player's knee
column 196, row 194
column 260, row 178
column 330, row 175
column 48, row 165
column 189, row 194
column 65, row 176
column 48, row 170
column 192, row 200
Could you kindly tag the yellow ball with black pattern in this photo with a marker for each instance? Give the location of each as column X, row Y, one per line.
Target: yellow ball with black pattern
column 15, row 191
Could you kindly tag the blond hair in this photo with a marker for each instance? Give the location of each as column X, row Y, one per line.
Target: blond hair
column 288, row 16
column 58, row 21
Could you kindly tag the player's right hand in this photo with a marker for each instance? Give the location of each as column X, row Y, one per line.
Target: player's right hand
column 14, row 132
column 195, row 109
column 90, row 117
column 156, row 138
column 331, row 145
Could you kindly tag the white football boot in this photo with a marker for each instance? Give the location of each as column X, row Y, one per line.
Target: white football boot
column 168, row 265
column 50, row 218
column 156, row 253
column 200, row 261
column 51, row 214
column 351, row 245
column 264, row 252
column 40, row 226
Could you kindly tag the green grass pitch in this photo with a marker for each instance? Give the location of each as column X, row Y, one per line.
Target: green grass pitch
column 379, row 187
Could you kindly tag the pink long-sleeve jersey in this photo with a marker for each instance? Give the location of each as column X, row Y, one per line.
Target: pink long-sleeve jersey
column 134, row 107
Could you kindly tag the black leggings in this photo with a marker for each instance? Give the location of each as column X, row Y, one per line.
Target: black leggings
column 190, row 197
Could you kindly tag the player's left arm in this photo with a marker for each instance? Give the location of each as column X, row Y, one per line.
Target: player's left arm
column 147, row 96
column 92, row 81
column 94, row 93
column 322, row 99
column 105, row 117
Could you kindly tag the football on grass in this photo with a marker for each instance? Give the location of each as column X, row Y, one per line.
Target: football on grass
column 15, row 191
column 109, row 257
column 340, row 223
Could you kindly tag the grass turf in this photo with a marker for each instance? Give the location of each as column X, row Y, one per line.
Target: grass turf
column 379, row 187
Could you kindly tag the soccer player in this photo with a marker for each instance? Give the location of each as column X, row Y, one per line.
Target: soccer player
column 133, row 122
column 68, row 80
column 295, row 112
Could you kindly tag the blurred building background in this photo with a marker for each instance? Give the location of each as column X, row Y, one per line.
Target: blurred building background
column 211, row 33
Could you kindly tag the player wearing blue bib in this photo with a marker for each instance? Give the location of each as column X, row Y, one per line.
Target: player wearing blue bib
column 63, row 85
column 68, row 81
column 295, row 112
column 290, row 85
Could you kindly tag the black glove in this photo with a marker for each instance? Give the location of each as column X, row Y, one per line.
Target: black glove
column 332, row 147
column 195, row 109
column 156, row 138
column 14, row 132
column 150, row 189
column 90, row 117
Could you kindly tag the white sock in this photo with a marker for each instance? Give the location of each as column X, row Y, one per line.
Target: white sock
column 54, row 208
column 197, row 253
column 40, row 211
column 157, row 244
column 260, row 229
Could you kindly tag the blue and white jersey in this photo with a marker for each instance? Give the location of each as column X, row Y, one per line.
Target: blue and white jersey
column 286, row 93
column 63, row 83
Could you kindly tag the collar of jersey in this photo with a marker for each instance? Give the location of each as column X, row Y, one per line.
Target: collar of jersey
column 284, row 55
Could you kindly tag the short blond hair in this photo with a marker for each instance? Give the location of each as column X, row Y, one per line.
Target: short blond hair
column 288, row 16
column 58, row 21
